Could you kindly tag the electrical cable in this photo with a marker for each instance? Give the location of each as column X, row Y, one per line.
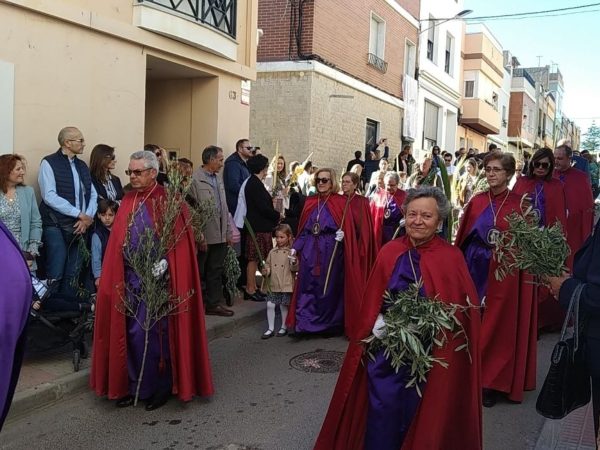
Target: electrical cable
column 541, row 16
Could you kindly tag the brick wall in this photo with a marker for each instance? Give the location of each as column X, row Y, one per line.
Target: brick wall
column 515, row 114
column 338, row 32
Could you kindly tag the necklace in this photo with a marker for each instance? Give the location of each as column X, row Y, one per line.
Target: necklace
column 316, row 228
column 388, row 212
column 134, row 210
column 536, row 210
column 494, row 233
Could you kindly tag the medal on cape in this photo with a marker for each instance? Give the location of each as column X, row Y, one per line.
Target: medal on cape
column 387, row 214
column 536, row 214
column 316, row 229
column 493, row 235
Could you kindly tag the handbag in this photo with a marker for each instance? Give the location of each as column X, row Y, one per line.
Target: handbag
column 567, row 385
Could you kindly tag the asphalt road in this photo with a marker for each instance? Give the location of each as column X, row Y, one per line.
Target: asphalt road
column 261, row 403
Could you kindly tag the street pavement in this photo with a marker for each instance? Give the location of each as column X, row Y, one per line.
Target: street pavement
column 261, row 403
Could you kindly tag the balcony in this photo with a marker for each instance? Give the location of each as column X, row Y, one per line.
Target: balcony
column 480, row 116
column 217, row 14
column 377, row 62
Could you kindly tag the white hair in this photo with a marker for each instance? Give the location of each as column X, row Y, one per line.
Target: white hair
column 149, row 158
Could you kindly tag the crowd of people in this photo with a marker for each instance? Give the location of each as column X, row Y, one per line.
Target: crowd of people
column 323, row 249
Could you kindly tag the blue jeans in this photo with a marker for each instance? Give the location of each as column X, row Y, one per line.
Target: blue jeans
column 63, row 261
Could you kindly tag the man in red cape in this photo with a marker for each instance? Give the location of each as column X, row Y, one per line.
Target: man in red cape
column 354, row 273
column 509, row 325
column 187, row 343
column 389, row 199
column 579, row 200
column 449, row 414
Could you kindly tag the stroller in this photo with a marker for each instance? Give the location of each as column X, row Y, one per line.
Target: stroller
column 67, row 326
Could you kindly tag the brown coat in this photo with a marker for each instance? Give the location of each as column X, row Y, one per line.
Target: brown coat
column 281, row 270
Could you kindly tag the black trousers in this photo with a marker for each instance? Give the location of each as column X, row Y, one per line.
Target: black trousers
column 210, row 263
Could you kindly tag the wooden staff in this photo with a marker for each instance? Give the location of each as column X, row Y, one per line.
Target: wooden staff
column 336, row 244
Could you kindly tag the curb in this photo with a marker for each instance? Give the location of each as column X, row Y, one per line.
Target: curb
column 49, row 393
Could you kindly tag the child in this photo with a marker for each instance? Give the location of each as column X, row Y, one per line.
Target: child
column 107, row 209
column 279, row 267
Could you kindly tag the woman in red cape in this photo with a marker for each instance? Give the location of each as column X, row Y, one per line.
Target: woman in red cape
column 509, row 324
column 547, row 198
column 363, row 223
column 188, row 346
column 386, row 210
column 312, row 310
column 448, row 415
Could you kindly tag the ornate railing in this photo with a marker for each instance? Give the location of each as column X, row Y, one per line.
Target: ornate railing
column 218, row 14
column 377, row 62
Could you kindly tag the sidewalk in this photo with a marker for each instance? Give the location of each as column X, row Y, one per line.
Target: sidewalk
column 47, row 377
column 574, row 432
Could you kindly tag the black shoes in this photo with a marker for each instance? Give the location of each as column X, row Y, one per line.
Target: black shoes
column 126, row 401
column 157, row 400
column 490, row 397
column 256, row 297
column 267, row 334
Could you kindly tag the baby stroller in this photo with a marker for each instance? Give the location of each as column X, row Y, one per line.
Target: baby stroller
column 68, row 324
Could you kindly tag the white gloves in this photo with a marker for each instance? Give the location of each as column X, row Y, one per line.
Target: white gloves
column 292, row 256
column 379, row 329
column 339, row 235
column 159, row 268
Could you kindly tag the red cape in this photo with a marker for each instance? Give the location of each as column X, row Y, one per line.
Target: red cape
column 580, row 209
column 449, row 415
column 550, row 314
column 354, row 276
column 377, row 206
column 187, row 334
column 363, row 230
column 509, row 325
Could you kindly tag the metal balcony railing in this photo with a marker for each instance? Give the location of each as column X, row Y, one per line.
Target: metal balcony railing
column 377, row 62
column 218, row 14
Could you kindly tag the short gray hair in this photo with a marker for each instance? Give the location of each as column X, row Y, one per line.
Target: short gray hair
column 209, row 153
column 443, row 205
column 149, row 158
column 393, row 175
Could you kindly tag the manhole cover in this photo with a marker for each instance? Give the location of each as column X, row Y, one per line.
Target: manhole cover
column 233, row 447
column 320, row 361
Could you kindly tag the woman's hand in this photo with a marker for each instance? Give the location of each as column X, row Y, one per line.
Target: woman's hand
column 556, row 283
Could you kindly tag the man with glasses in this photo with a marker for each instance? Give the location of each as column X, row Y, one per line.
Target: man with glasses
column 236, row 172
column 177, row 348
column 68, row 206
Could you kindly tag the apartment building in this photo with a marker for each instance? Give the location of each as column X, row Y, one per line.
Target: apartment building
column 522, row 119
column 330, row 76
column 126, row 73
column 483, row 77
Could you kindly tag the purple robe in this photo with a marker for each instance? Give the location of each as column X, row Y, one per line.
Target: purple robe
column 390, row 225
column 15, row 300
column 392, row 406
column 315, row 312
column 157, row 368
column 478, row 253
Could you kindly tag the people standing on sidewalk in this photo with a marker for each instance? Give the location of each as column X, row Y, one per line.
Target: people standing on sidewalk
column 102, row 163
column 509, row 323
column 208, row 187
column 176, row 359
column 68, row 207
column 18, row 207
column 279, row 270
column 586, row 272
column 372, row 407
column 235, row 172
column 547, row 198
column 105, row 217
column 15, row 300
column 386, row 210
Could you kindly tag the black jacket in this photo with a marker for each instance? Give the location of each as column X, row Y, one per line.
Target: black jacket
column 261, row 214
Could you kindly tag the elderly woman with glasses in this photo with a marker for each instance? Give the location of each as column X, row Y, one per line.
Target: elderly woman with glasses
column 386, row 210
column 547, row 198
column 509, row 325
column 102, row 163
column 372, row 407
column 328, row 288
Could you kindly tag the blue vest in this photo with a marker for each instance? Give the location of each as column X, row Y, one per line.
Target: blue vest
column 65, row 187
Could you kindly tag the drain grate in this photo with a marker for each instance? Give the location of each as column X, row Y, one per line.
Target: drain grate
column 319, row 361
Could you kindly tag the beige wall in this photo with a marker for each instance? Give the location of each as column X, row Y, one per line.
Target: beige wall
column 296, row 109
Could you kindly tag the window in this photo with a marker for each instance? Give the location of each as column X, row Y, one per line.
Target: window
column 495, row 100
column 372, row 131
column 410, row 58
column 469, row 88
column 377, row 36
column 430, row 125
column 431, row 40
column 449, row 55
column 504, row 121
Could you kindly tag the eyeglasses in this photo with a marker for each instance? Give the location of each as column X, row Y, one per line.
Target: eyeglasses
column 111, row 157
column 541, row 165
column 322, row 180
column 494, row 169
column 247, row 148
column 137, row 172
column 81, row 141
column 159, row 154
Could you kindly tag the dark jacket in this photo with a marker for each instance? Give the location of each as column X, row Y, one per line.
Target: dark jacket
column 234, row 174
column 101, row 190
column 354, row 161
column 586, row 270
column 261, row 214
